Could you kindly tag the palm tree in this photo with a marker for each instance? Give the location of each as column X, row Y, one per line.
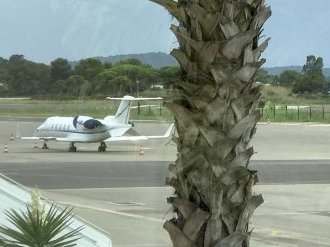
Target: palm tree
column 37, row 228
column 216, row 110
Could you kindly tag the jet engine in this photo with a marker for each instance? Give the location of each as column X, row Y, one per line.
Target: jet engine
column 84, row 122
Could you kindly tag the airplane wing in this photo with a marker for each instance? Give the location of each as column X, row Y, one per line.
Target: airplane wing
column 111, row 139
column 49, row 139
column 126, row 138
column 140, row 138
column 39, row 138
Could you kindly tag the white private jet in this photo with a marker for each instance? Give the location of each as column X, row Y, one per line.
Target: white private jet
column 84, row 129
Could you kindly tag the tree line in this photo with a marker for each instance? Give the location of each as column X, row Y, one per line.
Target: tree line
column 309, row 80
column 89, row 77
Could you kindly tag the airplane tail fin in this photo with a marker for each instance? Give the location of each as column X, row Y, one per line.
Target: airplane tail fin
column 122, row 114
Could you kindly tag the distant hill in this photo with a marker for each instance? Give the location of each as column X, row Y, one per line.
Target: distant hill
column 279, row 70
column 161, row 59
column 155, row 59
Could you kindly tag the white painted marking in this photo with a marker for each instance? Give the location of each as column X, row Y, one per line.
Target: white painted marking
column 87, row 189
column 130, row 203
column 140, row 245
column 313, row 124
column 279, row 214
column 111, row 211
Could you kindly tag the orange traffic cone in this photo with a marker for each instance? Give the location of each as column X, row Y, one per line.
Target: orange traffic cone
column 5, row 150
column 141, row 152
column 12, row 137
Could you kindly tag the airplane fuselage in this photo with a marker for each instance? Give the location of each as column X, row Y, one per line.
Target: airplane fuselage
column 73, row 129
column 84, row 129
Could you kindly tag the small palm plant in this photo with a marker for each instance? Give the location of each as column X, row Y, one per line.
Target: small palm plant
column 38, row 228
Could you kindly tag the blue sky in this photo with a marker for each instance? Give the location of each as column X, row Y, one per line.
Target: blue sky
column 43, row 30
column 298, row 28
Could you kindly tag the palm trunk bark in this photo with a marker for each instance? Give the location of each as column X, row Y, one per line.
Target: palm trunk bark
column 216, row 110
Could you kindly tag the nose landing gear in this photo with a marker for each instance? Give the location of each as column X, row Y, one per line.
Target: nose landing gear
column 102, row 147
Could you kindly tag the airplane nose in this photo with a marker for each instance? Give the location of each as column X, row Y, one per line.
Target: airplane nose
column 92, row 124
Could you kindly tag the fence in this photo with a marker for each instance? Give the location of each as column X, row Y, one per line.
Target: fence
column 316, row 113
column 152, row 112
column 295, row 113
column 313, row 113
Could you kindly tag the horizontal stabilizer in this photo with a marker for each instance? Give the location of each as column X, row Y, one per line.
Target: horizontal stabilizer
column 131, row 98
column 145, row 106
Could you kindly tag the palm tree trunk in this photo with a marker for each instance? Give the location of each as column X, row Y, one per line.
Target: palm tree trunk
column 216, row 109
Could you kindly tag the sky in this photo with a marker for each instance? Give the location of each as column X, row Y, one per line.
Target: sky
column 43, row 30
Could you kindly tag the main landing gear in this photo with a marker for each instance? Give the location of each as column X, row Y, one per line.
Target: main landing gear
column 45, row 146
column 72, row 147
column 102, row 147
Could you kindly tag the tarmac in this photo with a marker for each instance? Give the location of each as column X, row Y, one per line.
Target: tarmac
column 293, row 214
